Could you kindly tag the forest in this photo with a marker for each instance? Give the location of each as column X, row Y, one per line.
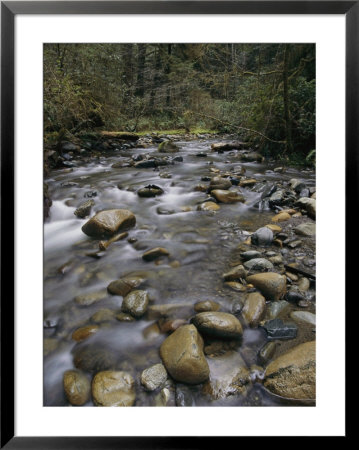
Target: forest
column 264, row 93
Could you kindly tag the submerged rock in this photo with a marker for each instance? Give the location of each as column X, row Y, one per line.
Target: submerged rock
column 113, row 388
column 292, row 375
column 168, row 147
column 218, row 324
column 155, row 253
column 207, row 305
column 107, row 223
column 77, row 387
column 182, row 354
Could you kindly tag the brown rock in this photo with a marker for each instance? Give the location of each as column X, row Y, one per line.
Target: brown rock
column 270, row 284
column 292, row 375
column 182, row 354
column 113, row 388
column 124, row 285
column 154, row 253
column 107, row 223
column 253, row 309
column 84, row 332
column 281, row 217
column 207, row 305
column 227, row 196
column 235, row 274
column 218, row 324
column 208, row 206
column 77, row 387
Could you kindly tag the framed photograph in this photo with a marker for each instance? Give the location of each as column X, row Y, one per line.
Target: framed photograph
column 161, row 248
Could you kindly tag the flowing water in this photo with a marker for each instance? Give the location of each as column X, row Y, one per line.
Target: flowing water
column 200, row 244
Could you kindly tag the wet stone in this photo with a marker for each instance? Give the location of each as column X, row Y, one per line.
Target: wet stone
column 155, row 253
column 77, row 387
column 207, row 305
column 250, row 254
column 262, row 237
column 135, row 303
column 150, row 191
column 84, row 209
column 154, row 377
column 184, row 396
column 113, row 388
column 277, row 329
column 258, row 264
column 218, row 324
column 266, row 353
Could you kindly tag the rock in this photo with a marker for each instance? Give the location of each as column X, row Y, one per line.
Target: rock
column 227, row 196
column 266, row 353
column 281, row 217
column 135, row 303
column 123, row 317
column 252, row 157
column 103, row 315
column 239, row 287
column 107, row 223
column 219, row 183
column 309, row 204
column 305, row 229
column 248, row 183
column 67, row 146
column 277, row 198
column 168, row 147
column 294, row 244
column 155, row 253
column 277, row 329
column 237, row 273
column 291, row 276
column 276, row 308
column 292, row 375
column 270, row 284
column 296, row 185
column 94, row 358
column 169, row 310
column 182, row 355
column 279, row 169
column 84, row 209
column 77, row 387
column 275, row 228
column 253, row 309
column 150, row 190
column 276, row 260
column 207, row 305
column 113, row 388
column 303, row 316
column 84, row 332
column 229, row 376
column 258, row 264
column 218, row 324
column 154, row 377
column 262, row 237
column 208, row 206
column 250, row 254
column 303, row 284
column 90, row 298
column 124, row 285
column 90, row 194
column 171, row 325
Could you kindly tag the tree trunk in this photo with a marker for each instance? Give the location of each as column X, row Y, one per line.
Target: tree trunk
column 287, row 117
column 141, row 61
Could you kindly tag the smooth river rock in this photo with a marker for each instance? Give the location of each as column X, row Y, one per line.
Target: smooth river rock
column 235, row 274
column 254, row 308
column 262, row 237
column 309, row 204
column 258, row 264
column 270, row 284
column 292, row 375
column 135, row 303
column 227, row 196
column 77, row 387
column 124, row 285
column 182, row 355
column 305, row 229
column 113, row 388
column 107, row 223
column 155, row 253
column 218, row 324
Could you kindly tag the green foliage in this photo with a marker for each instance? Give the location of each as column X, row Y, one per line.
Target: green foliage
column 231, row 88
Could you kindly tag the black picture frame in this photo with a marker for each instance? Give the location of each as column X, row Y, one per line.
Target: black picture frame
column 9, row 9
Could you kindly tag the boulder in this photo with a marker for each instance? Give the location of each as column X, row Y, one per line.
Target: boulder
column 254, row 308
column 220, row 324
column 154, row 377
column 107, row 223
column 135, row 303
column 292, row 375
column 113, row 388
column 270, row 284
column 77, row 387
column 182, row 355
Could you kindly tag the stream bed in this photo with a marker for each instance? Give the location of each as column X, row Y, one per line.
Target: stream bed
column 201, row 246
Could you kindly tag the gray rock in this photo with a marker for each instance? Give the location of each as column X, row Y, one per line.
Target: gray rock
column 305, row 229
column 277, row 329
column 135, row 303
column 263, row 237
column 84, row 209
column 303, row 316
column 258, row 264
column 154, row 377
column 250, row 254
column 275, row 308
